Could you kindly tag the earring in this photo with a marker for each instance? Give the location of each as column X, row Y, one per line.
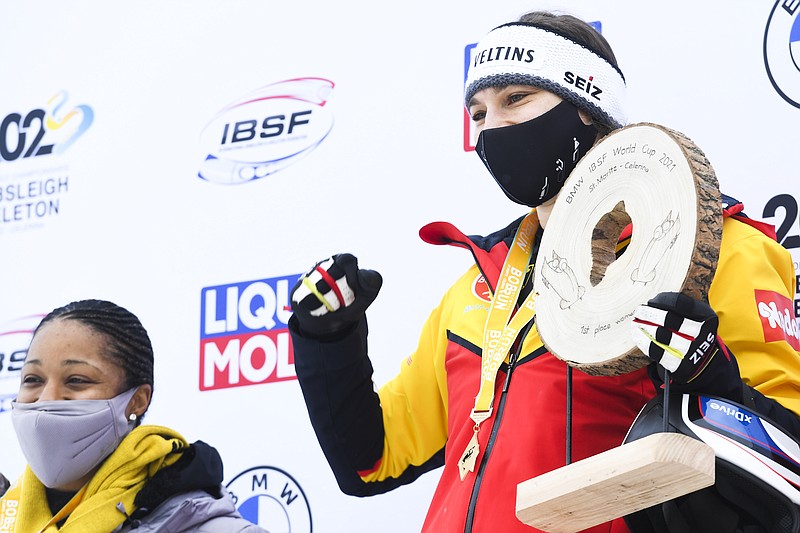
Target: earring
column 132, row 417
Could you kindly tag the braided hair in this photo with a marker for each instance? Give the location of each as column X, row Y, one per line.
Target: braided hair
column 129, row 345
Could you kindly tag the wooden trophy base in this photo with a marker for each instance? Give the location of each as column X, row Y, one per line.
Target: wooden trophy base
column 636, row 475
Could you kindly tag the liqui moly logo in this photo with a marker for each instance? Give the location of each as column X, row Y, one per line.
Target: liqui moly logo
column 244, row 338
column 777, row 318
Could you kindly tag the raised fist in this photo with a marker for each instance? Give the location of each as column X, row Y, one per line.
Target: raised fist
column 333, row 296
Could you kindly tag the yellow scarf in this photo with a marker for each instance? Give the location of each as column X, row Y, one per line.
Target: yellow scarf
column 95, row 508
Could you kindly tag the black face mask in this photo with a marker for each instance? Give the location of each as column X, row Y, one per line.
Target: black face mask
column 531, row 160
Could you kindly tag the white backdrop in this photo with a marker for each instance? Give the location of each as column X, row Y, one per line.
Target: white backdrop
column 131, row 98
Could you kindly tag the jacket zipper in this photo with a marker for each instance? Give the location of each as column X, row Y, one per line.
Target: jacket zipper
column 473, row 500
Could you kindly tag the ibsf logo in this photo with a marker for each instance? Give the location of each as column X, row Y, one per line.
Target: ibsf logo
column 782, row 50
column 15, row 336
column 272, row 499
column 244, row 336
column 266, row 131
column 50, row 129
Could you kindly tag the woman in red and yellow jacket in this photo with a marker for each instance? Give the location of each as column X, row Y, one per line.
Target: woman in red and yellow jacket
column 481, row 395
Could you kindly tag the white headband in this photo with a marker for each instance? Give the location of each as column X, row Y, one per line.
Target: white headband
column 522, row 54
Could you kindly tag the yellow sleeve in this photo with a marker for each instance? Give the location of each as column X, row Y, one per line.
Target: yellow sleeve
column 752, row 293
column 414, row 404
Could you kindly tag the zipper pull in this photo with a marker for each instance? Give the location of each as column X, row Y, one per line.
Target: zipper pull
column 511, row 362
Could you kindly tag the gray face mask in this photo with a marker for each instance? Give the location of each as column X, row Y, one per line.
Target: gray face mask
column 63, row 440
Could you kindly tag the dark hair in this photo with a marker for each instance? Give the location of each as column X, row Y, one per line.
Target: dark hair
column 572, row 28
column 129, row 344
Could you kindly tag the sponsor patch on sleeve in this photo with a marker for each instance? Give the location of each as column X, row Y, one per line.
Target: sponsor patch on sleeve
column 481, row 289
column 777, row 318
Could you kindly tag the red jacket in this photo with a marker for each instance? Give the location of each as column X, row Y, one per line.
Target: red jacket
column 419, row 420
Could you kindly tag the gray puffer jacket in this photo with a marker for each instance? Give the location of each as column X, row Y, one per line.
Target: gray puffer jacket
column 188, row 497
column 196, row 511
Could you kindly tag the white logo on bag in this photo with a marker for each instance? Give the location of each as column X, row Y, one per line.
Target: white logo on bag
column 730, row 411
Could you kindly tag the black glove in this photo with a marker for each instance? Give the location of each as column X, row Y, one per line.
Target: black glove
column 333, row 296
column 679, row 333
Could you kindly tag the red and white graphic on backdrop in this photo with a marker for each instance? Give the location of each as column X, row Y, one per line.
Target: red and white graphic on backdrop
column 266, row 131
column 244, row 339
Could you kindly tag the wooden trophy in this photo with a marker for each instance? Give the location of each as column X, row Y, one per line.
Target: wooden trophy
column 657, row 180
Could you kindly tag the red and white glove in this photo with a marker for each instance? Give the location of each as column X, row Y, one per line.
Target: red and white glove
column 333, row 296
column 679, row 333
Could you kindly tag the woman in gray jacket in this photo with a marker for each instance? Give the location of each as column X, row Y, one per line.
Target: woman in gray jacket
column 92, row 466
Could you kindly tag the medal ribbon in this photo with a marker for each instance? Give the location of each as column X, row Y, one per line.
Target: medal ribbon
column 503, row 324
